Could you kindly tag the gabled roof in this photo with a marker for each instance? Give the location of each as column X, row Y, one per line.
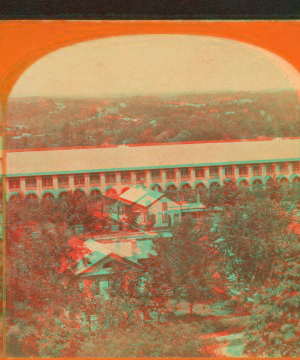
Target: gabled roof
column 98, row 252
column 139, row 196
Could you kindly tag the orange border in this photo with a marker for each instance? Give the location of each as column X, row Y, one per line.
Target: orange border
column 22, row 42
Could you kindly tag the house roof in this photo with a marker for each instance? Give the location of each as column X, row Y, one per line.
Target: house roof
column 93, row 159
column 139, row 196
column 127, row 251
column 98, row 251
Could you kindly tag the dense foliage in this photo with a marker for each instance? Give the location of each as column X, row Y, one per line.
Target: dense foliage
column 243, row 252
column 47, row 122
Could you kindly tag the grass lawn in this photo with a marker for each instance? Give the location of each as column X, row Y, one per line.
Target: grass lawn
column 179, row 334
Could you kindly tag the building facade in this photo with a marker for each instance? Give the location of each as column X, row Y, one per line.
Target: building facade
column 147, row 208
column 54, row 173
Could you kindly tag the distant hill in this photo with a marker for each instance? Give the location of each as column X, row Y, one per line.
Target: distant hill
column 37, row 122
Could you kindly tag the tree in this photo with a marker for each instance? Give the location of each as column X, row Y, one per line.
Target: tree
column 247, row 240
column 274, row 325
column 183, row 261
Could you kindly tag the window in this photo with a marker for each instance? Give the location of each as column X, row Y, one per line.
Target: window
column 214, row 172
column 282, row 167
column 269, row 169
column 228, row 171
column 47, row 181
column 14, row 183
column 155, row 175
column 96, row 286
column 140, row 176
column 165, row 206
column 63, row 181
column 170, row 174
column 256, row 170
column 79, row 180
column 184, row 173
column 125, row 177
column 199, row 173
column 110, row 178
column 95, row 179
column 176, row 219
column 80, row 284
column 104, row 287
column 30, row 182
column 295, row 167
column 243, row 170
column 153, row 219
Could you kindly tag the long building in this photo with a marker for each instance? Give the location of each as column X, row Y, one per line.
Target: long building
column 162, row 167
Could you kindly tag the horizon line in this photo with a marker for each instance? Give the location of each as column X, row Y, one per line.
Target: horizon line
column 267, row 90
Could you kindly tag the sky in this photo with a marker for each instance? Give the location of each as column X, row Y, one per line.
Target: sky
column 155, row 64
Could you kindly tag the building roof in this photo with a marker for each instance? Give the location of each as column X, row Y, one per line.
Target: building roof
column 93, row 159
column 98, row 251
column 125, row 250
column 140, row 196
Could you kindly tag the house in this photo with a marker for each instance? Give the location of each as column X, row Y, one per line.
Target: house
column 94, row 267
column 146, row 207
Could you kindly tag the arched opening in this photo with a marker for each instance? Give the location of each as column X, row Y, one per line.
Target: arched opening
column 283, row 185
column 171, row 192
column 269, row 184
column 296, row 189
column 95, row 195
column 63, row 195
column 79, row 193
column 47, row 203
column 31, row 201
column 257, row 185
column 31, row 197
column 48, row 196
column 214, row 186
column 156, row 187
column 171, row 188
column 85, row 55
column 15, row 199
column 186, row 192
column 243, row 185
column 296, row 183
column 200, row 188
column 111, row 191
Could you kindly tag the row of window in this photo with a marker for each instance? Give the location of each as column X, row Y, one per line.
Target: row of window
column 155, row 175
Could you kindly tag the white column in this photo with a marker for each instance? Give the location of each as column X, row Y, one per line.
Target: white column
column 289, row 168
column 192, row 177
column 23, row 185
column 39, row 186
column 177, row 177
column 71, row 182
column 221, row 174
column 87, row 184
column 148, row 180
column 118, row 185
column 249, row 171
column 206, row 174
column 235, row 172
column 163, row 178
column 132, row 176
column 55, row 183
column 102, row 183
